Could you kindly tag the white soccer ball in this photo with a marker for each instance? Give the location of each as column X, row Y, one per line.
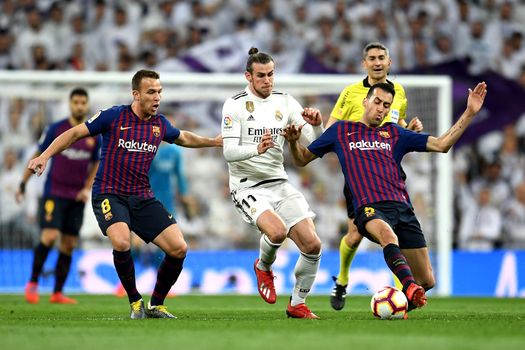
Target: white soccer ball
column 389, row 303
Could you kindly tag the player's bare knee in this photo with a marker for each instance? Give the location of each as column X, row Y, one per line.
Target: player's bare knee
column 313, row 247
column 68, row 246
column 48, row 242
column 121, row 245
column 387, row 237
column 179, row 251
column 353, row 238
column 277, row 235
column 49, row 237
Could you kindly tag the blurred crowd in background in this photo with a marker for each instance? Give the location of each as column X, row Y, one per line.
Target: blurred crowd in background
column 171, row 35
column 214, row 36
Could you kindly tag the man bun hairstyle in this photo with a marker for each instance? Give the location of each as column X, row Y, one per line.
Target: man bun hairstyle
column 256, row 57
column 141, row 74
column 383, row 86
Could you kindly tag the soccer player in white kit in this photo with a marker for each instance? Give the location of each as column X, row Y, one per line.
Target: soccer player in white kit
column 252, row 123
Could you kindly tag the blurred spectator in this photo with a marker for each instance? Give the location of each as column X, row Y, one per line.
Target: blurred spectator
column 481, row 223
column 121, row 33
column 15, row 134
column 479, row 49
column 507, row 63
column 493, row 180
column 40, row 59
column 514, row 220
column 32, row 35
column 6, row 46
column 76, row 59
column 171, row 62
column 77, row 44
column 512, row 162
column 11, row 225
column 57, row 27
column 443, row 50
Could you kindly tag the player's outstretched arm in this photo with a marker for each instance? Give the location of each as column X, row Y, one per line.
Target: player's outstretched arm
column 63, row 141
column 475, row 101
column 301, row 154
column 192, row 140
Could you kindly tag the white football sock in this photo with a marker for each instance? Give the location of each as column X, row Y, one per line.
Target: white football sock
column 305, row 272
column 267, row 253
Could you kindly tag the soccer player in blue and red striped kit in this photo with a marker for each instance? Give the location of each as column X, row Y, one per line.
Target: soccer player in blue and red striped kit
column 122, row 197
column 370, row 155
column 66, row 191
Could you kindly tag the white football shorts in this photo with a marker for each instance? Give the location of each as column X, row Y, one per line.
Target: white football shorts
column 281, row 197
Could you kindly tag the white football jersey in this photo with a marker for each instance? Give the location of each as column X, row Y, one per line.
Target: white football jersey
column 245, row 117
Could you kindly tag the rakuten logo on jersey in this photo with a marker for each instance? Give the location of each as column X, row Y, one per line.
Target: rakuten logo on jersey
column 369, row 145
column 134, row 146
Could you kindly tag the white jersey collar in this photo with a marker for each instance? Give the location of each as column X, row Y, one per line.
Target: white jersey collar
column 255, row 97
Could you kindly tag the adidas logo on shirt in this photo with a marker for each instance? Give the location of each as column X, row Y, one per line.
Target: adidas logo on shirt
column 251, row 118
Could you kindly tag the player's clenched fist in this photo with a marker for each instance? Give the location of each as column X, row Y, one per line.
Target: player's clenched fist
column 37, row 165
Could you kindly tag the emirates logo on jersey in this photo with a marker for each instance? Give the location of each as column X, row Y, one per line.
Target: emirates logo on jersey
column 156, row 130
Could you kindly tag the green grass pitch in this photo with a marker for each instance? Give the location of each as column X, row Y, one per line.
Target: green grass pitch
column 246, row 322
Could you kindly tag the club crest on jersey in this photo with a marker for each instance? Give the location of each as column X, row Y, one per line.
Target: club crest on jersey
column 156, row 130
column 108, row 216
column 369, row 212
column 384, row 134
column 278, row 115
column 250, row 107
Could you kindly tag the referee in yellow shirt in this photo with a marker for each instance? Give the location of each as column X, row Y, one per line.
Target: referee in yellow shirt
column 349, row 106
